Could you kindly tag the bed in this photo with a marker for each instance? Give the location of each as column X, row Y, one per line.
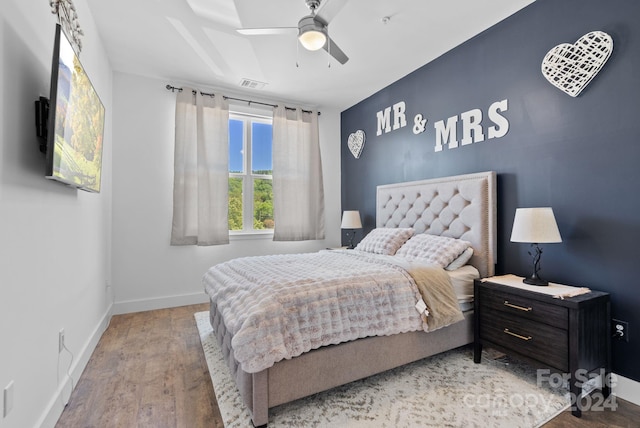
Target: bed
column 461, row 207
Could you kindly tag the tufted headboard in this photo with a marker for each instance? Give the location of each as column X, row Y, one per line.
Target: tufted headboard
column 462, row 206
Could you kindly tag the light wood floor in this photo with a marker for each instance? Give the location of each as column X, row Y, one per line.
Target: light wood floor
column 148, row 370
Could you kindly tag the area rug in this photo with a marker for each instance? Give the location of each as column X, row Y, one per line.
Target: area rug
column 446, row 390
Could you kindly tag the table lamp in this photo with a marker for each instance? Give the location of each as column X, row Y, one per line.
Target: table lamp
column 535, row 226
column 350, row 222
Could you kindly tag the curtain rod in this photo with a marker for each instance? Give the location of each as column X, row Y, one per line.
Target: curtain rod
column 174, row 88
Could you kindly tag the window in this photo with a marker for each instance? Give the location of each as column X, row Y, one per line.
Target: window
column 250, row 173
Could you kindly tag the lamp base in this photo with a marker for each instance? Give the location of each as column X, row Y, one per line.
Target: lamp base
column 535, row 281
column 351, row 234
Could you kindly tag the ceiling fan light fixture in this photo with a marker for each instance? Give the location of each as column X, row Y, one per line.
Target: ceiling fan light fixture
column 311, row 33
column 312, row 40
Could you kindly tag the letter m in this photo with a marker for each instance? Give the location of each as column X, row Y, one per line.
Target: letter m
column 384, row 121
column 446, row 134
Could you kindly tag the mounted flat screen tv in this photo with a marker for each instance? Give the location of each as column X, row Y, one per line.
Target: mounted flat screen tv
column 76, row 121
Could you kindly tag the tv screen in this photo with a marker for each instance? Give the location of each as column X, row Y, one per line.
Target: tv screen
column 76, row 121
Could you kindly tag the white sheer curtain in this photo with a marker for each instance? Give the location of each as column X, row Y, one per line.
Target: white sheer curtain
column 298, row 194
column 201, row 170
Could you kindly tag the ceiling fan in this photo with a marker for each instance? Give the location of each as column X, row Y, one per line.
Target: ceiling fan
column 312, row 29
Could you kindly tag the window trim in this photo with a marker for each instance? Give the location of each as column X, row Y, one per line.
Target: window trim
column 239, row 235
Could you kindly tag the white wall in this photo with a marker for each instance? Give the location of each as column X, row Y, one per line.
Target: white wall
column 54, row 241
column 148, row 273
column 60, row 248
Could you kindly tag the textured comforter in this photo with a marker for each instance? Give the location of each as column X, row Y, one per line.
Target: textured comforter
column 278, row 307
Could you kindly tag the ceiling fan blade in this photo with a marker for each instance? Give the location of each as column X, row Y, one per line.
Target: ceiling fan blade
column 335, row 51
column 266, row 31
column 328, row 10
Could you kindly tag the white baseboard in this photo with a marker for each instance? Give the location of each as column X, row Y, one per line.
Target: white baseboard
column 63, row 393
column 627, row 389
column 159, row 303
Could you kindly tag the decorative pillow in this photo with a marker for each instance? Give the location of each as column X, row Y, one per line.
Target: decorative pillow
column 461, row 260
column 440, row 250
column 385, row 240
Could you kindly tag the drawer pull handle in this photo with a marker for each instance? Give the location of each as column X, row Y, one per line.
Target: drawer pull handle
column 527, row 338
column 520, row 308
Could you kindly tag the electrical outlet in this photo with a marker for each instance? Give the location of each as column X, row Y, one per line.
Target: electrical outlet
column 620, row 330
column 8, row 399
column 61, row 340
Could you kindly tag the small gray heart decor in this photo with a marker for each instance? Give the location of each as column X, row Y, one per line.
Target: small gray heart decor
column 356, row 143
column 570, row 68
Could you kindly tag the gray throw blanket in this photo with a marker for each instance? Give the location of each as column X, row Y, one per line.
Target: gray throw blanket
column 278, row 307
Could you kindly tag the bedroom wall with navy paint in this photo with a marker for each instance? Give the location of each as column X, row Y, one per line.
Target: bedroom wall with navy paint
column 579, row 155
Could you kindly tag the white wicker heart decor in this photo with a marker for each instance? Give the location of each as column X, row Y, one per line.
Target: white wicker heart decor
column 570, row 68
column 356, row 143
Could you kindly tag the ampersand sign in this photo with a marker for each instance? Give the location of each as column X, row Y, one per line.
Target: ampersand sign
column 419, row 124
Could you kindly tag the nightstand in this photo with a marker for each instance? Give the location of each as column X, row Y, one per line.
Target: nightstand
column 571, row 335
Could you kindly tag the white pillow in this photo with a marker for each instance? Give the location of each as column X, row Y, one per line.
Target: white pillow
column 385, row 240
column 461, row 260
column 440, row 250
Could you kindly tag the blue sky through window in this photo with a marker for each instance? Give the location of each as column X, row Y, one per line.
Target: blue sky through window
column 261, row 157
column 235, row 146
column 261, row 151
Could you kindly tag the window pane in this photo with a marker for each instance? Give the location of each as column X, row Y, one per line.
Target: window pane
column 262, row 204
column 261, row 155
column 236, row 146
column 235, row 203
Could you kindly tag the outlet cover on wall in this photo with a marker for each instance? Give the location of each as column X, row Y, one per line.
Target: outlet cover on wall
column 620, row 330
column 61, row 340
column 8, row 399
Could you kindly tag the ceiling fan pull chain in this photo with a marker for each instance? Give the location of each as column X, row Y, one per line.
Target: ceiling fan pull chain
column 297, row 54
column 328, row 49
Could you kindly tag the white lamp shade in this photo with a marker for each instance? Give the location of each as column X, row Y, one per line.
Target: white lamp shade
column 535, row 225
column 351, row 220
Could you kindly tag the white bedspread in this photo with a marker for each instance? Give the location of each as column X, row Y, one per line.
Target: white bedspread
column 278, row 307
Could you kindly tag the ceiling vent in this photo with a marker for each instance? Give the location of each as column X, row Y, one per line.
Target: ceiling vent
column 252, row 84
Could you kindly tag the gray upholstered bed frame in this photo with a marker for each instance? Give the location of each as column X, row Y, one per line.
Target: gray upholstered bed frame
column 463, row 207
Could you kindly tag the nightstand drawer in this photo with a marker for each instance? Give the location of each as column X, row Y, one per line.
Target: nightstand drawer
column 542, row 342
column 529, row 309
